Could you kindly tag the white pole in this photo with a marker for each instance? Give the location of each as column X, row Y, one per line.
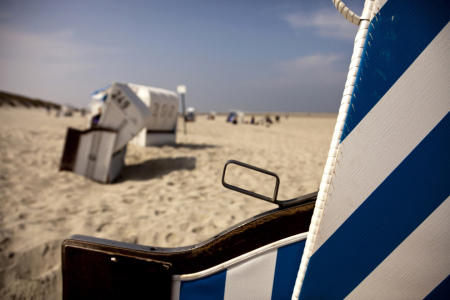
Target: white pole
column 181, row 89
column 360, row 38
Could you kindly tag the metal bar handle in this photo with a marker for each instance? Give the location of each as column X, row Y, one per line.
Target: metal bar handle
column 253, row 194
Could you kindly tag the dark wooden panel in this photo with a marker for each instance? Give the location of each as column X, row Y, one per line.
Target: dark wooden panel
column 105, row 275
column 87, row 260
column 70, row 150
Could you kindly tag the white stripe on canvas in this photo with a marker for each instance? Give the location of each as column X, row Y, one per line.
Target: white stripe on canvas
column 176, row 286
column 331, row 160
column 375, row 151
column 252, row 279
column 422, row 259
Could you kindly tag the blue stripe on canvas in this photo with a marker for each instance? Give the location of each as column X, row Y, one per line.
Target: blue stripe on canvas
column 208, row 288
column 288, row 262
column 387, row 217
column 403, row 30
column 442, row 291
column 100, row 90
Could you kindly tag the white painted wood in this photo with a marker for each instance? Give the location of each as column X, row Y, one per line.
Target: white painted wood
column 146, row 139
column 126, row 120
column 163, row 106
column 116, row 165
column 84, row 148
column 159, row 139
column 418, row 264
column 94, row 156
column 102, row 149
column 374, row 146
column 140, row 138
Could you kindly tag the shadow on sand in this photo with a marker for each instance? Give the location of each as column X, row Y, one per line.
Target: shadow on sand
column 195, row 146
column 154, row 168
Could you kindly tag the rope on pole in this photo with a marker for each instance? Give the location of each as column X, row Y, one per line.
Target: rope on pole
column 363, row 23
column 346, row 12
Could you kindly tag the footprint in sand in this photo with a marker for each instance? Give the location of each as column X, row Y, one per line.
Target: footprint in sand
column 172, row 238
column 102, row 227
column 128, row 200
column 71, row 211
column 28, row 200
column 184, row 226
column 197, row 229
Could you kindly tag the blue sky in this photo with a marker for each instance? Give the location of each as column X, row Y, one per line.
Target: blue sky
column 250, row 55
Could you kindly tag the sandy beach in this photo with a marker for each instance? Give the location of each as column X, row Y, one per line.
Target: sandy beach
column 166, row 196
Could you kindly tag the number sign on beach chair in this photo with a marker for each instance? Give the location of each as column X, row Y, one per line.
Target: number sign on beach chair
column 379, row 227
column 161, row 127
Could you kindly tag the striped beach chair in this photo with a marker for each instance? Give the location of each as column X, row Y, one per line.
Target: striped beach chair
column 381, row 225
column 378, row 227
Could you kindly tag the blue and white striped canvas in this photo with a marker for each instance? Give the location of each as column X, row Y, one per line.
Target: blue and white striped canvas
column 385, row 228
column 101, row 94
column 268, row 275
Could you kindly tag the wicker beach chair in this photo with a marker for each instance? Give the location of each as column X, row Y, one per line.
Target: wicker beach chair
column 378, row 227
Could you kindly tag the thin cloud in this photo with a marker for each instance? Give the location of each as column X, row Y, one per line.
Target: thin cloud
column 42, row 63
column 56, row 47
column 326, row 23
column 309, row 83
column 305, row 71
column 313, row 65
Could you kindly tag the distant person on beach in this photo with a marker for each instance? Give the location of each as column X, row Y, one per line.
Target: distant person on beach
column 252, row 120
column 96, row 118
column 268, row 119
column 277, row 118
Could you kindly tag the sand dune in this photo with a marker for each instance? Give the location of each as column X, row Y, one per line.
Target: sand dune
column 166, row 196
